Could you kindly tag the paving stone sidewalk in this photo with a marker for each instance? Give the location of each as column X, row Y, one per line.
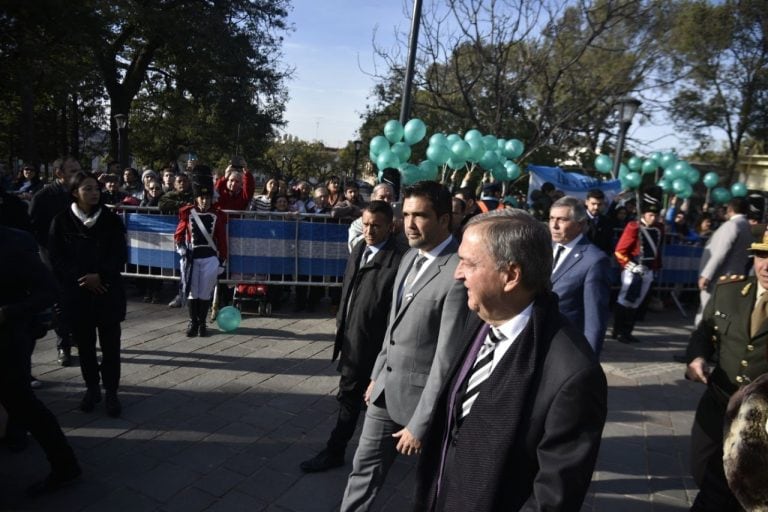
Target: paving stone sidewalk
column 221, row 423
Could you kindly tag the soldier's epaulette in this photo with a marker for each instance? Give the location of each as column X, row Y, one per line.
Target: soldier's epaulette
column 733, row 278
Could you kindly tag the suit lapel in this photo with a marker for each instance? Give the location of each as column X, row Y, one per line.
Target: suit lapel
column 576, row 254
column 428, row 275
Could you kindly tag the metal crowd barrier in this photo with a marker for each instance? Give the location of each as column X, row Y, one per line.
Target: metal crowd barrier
column 270, row 248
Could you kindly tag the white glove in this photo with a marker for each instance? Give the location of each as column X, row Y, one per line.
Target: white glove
column 641, row 269
column 630, row 266
column 181, row 250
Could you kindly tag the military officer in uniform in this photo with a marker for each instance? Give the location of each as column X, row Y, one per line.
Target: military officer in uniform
column 733, row 332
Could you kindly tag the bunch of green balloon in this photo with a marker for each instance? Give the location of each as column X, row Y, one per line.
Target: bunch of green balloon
column 393, row 150
column 603, row 164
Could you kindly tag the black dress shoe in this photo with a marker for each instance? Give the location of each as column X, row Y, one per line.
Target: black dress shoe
column 191, row 329
column 202, row 331
column 627, row 338
column 65, row 357
column 54, row 481
column 90, row 399
column 112, row 404
column 322, row 461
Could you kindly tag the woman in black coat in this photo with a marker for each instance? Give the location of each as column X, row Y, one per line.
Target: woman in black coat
column 88, row 251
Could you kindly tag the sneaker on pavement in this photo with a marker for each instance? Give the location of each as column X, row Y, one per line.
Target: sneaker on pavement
column 64, row 357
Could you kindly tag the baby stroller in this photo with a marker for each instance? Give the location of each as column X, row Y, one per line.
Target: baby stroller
column 255, row 295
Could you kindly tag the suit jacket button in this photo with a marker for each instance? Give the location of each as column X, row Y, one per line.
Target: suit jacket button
column 744, row 363
column 739, row 379
column 750, row 347
column 389, row 368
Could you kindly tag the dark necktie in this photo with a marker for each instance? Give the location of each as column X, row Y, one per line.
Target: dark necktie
column 366, row 254
column 558, row 253
column 480, row 372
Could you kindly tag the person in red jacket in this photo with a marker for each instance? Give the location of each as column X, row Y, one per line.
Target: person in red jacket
column 236, row 187
column 201, row 241
column 638, row 251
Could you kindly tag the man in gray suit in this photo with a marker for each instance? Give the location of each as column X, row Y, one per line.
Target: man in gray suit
column 428, row 308
column 580, row 273
column 726, row 252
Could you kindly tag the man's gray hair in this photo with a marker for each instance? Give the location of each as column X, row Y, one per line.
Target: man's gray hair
column 381, row 186
column 513, row 236
column 578, row 210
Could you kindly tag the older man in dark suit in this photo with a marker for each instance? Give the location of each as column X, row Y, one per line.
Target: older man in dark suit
column 580, row 272
column 517, row 425
column 428, row 307
column 360, row 324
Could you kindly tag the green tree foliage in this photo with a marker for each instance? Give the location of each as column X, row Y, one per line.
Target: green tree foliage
column 547, row 73
column 719, row 54
column 290, row 158
column 190, row 75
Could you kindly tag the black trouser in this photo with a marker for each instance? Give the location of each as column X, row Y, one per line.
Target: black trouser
column 707, row 457
column 350, row 397
column 23, row 406
column 109, row 341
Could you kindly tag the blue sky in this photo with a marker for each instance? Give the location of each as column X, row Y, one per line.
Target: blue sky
column 331, row 51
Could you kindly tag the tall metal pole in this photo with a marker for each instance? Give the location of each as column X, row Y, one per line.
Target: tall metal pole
column 619, row 149
column 405, row 108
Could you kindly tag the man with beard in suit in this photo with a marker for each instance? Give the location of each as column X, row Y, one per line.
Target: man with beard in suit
column 360, row 324
column 518, row 421
column 428, row 306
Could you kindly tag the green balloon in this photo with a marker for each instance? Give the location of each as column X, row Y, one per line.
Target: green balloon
column 429, row 170
column 393, row 131
column 679, row 185
column 500, row 144
column 489, row 160
column 438, row 154
column 738, row 189
column 649, row 166
column 402, row 150
column 228, row 318
column 438, row 139
column 378, row 144
column 461, row 150
column 473, row 134
column 623, row 170
column 513, row 148
column 414, row 131
column 635, row 164
column 667, row 160
column 656, row 155
column 711, row 179
column 632, row 180
column 692, row 175
column 603, row 164
column 478, row 150
column 513, row 170
column 499, row 173
column 409, row 174
column 686, row 192
column 387, row 159
column 453, row 138
column 489, row 141
column 720, row 195
column 456, row 163
column 665, row 184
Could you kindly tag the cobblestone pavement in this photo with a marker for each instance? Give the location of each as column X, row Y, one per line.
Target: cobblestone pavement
column 221, row 423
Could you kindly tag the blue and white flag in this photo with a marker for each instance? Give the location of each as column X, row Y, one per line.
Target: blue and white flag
column 572, row 183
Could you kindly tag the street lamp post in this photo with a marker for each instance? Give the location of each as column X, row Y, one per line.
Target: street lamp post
column 358, row 146
column 626, row 107
column 121, row 120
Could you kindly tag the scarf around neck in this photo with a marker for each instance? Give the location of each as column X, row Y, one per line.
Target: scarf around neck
column 87, row 220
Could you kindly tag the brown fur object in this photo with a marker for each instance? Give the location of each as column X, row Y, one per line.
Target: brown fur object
column 745, row 450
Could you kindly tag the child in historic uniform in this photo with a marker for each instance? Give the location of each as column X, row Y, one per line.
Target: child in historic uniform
column 201, row 241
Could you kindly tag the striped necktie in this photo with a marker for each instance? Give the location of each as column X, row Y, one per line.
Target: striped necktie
column 480, row 371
